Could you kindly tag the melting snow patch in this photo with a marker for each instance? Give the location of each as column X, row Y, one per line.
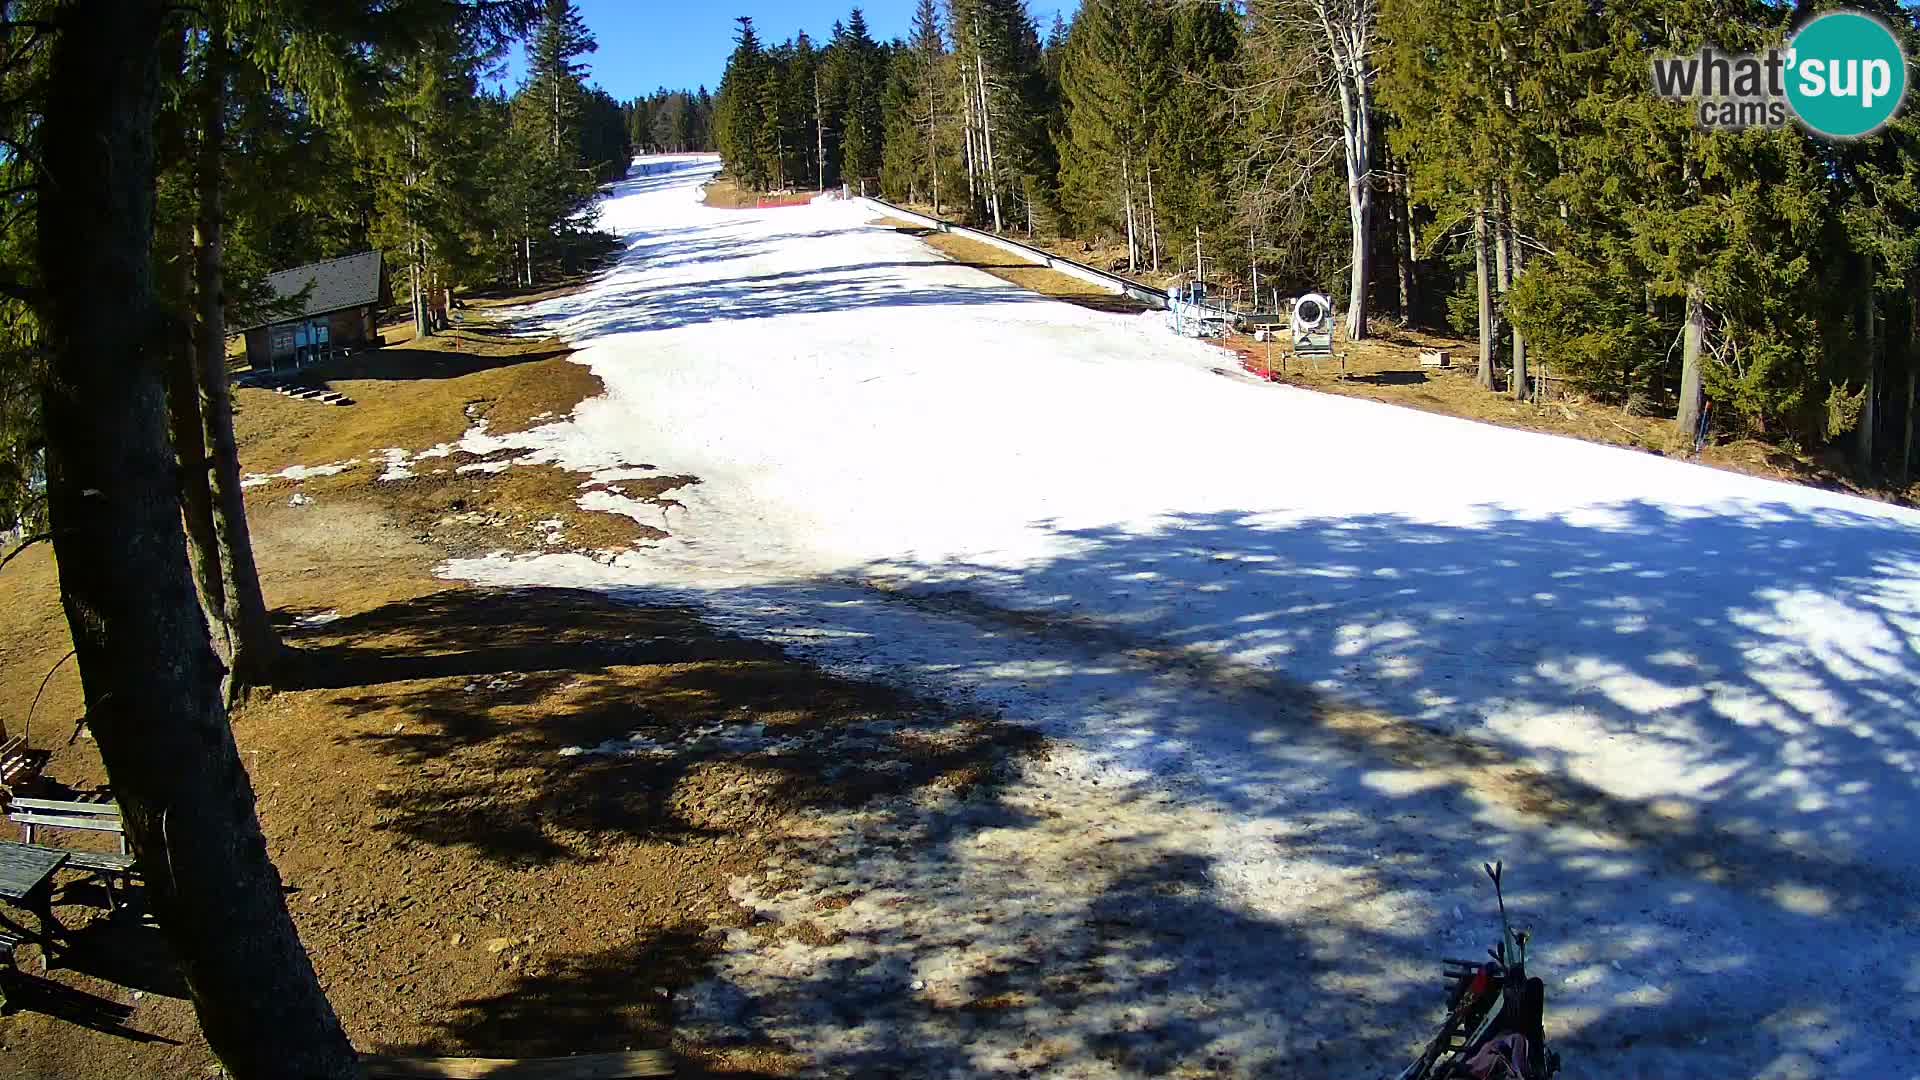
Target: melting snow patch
column 298, row 472
column 399, row 463
column 395, row 460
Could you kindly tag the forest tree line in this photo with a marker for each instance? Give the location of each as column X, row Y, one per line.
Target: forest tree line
column 1495, row 168
column 670, row 122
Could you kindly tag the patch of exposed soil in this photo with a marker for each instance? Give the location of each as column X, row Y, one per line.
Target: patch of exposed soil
column 723, row 194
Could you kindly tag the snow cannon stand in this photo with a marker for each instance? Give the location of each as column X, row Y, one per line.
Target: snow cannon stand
column 1311, row 327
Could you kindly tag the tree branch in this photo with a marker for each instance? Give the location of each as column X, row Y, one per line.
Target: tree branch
column 24, row 545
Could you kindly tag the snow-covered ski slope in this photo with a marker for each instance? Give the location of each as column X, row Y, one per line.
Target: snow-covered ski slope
column 1372, row 646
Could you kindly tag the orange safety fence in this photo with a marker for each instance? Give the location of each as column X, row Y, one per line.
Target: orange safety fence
column 801, row 198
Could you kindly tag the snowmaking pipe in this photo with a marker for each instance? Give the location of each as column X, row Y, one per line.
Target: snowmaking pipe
column 1113, row 283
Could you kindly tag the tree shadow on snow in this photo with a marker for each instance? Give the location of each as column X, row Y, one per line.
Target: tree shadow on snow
column 1404, row 700
column 1373, row 704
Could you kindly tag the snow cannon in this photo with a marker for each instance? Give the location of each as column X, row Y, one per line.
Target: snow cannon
column 1312, row 326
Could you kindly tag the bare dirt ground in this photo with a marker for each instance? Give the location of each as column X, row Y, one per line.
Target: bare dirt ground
column 722, row 193
column 510, row 823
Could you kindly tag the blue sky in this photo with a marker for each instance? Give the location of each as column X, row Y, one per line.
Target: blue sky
column 650, row 43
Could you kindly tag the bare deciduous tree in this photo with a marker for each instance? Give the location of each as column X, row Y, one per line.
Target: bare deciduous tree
column 1326, row 47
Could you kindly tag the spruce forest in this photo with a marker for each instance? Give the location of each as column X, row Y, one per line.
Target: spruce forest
column 1495, row 170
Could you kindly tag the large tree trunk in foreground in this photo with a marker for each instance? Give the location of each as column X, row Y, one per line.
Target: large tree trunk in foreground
column 254, row 643
column 149, row 675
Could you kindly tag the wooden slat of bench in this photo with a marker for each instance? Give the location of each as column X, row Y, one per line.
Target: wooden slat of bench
column 98, row 860
column 102, row 809
column 640, row 1063
column 54, row 821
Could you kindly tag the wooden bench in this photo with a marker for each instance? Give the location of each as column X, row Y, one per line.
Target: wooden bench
column 109, row 867
column 18, row 764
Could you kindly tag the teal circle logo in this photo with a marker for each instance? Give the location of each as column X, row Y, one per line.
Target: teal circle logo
column 1846, row 74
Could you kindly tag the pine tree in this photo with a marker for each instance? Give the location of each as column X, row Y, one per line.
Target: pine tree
column 555, row 75
column 903, row 156
column 1189, row 151
column 800, row 84
column 1003, row 103
column 1436, row 80
column 150, row 676
column 770, row 138
column 740, row 110
column 860, row 64
column 1113, row 76
column 915, row 116
column 427, row 190
column 1879, row 207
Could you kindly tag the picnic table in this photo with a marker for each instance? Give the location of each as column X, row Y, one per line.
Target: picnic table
column 26, row 881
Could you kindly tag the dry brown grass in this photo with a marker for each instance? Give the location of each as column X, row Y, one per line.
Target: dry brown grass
column 1387, row 369
column 1008, row 267
column 1102, row 254
column 412, row 394
column 416, row 395
column 722, row 193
